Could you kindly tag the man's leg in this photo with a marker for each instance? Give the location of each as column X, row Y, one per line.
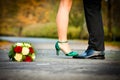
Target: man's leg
column 93, row 17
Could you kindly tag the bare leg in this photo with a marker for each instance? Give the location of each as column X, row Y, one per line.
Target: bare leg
column 62, row 23
column 63, row 18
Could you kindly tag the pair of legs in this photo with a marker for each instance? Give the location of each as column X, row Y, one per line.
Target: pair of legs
column 93, row 17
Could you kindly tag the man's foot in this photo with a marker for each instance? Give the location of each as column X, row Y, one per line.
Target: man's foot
column 91, row 54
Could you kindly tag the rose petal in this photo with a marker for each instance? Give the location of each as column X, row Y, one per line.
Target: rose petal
column 19, row 44
column 18, row 57
column 25, row 51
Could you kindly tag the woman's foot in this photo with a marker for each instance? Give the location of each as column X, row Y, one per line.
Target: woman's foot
column 64, row 46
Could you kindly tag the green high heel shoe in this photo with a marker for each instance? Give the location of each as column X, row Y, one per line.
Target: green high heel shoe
column 72, row 53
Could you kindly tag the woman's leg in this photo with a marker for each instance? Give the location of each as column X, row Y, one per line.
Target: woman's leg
column 62, row 23
column 63, row 18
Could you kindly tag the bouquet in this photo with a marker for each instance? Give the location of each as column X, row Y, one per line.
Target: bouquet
column 22, row 52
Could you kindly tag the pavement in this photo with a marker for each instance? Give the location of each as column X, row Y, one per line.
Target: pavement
column 48, row 66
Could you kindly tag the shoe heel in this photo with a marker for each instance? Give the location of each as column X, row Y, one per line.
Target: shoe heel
column 57, row 48
column 57, row 52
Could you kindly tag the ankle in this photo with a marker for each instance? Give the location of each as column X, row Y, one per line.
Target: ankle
column 65, row 41
column 64, row 46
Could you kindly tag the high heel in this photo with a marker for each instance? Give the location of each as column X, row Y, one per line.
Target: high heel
column 72, row 53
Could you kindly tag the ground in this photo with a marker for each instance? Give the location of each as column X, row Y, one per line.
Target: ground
column 48, row 66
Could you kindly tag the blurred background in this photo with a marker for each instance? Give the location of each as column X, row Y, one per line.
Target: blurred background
column 37, row 18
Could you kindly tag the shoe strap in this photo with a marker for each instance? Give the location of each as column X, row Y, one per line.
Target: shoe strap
column 62, row 41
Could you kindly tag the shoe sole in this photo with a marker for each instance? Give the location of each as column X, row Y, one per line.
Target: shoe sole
column 97, row 57
column 91, row 57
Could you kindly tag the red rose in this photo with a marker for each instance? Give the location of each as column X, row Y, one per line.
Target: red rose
column 31, row 50
column 28, row 59
column 18, row 49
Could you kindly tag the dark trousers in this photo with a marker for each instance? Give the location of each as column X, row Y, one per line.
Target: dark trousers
column 92, row 9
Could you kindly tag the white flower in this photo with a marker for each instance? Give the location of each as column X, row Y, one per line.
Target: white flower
column 25, row 51
column 33, row 56
column 19, row 44
column 27, row 44
column 18, row 57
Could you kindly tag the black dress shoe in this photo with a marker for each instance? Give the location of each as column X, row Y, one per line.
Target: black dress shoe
column 91, row 54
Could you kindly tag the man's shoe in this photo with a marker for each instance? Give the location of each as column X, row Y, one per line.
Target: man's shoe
column 91, row 54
